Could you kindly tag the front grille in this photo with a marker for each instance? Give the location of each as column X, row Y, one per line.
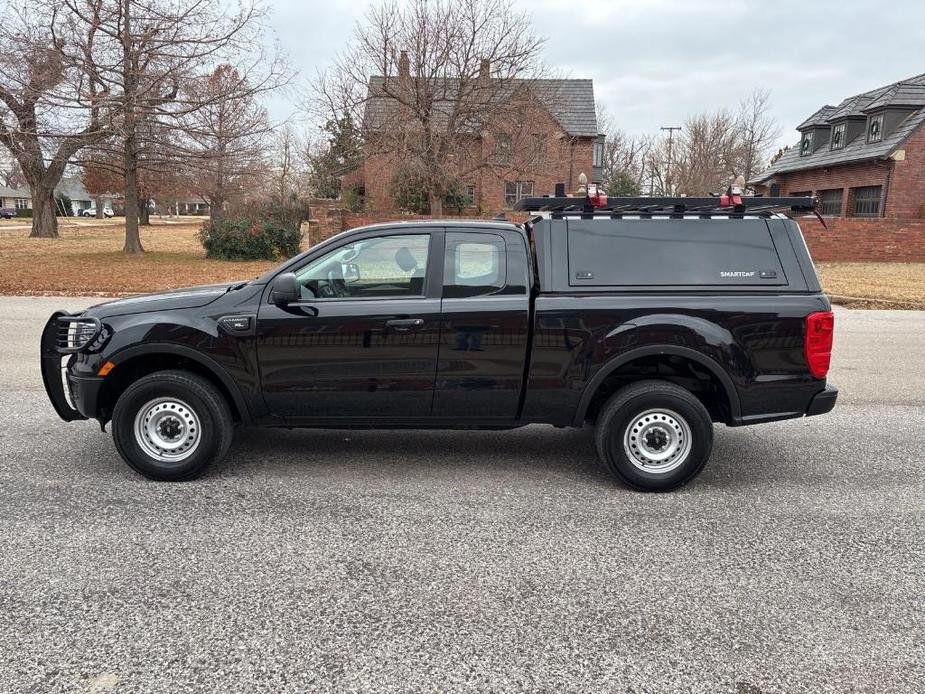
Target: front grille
column 77, row 333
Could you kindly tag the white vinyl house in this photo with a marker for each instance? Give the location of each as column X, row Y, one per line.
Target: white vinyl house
column 71, row 186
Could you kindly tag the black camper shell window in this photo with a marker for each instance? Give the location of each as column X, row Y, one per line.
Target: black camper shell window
column 672, row 252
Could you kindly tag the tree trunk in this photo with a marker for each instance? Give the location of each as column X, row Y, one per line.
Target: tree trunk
column 129, row 150
column 144, row 216
column 436, row 204
column 216, row 208
column 44, row 220
column 99, row 206
column 132, row 237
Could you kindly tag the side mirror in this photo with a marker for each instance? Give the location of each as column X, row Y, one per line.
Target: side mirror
column 351, row 272
column 285, row 289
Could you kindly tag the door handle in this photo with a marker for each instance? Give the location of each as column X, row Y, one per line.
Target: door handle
column 405, row 323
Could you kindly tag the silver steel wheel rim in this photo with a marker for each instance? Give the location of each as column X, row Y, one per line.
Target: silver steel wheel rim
column 168, row 430
column 657, row 440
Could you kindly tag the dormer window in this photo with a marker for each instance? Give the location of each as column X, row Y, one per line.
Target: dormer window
column 875, row 128
column 806, row 146
column 838, row 135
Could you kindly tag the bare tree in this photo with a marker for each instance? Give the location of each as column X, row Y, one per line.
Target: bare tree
column 99, row 177
column 11, row 174
column 757, row 132
column 147, row 51
column 625, row 162
column 287, row 162
column 443, row 87
column 705, row 153
column 52, row 103
column 225, row 139
column 713, row 149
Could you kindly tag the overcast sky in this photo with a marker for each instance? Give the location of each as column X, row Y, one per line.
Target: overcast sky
column 655, row 61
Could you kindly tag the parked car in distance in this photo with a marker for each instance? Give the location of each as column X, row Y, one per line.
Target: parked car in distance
column 650, row 319
column 8, row 212
column 91, row 212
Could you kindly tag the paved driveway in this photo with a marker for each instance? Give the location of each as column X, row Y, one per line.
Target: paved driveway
column 471, row 561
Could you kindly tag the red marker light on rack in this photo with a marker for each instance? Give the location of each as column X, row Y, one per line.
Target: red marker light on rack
column 595, row 196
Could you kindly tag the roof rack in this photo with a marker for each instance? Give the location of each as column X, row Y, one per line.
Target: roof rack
column 757, row 206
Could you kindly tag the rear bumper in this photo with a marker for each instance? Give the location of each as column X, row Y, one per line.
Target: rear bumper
column 822, row 401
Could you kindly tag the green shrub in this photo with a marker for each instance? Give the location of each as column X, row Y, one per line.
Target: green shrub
column 274, row 232
column 24, row 212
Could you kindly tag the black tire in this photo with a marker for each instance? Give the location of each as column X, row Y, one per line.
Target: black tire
column 674, row 411
column 191, row 406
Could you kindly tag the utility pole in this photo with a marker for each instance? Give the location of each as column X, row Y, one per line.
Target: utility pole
column 670, row 129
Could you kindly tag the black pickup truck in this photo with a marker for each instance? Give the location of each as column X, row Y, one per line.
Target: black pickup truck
column 649, row 318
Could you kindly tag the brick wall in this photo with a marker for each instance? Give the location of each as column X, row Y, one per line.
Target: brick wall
column 858, row 239
column 907, row 182
column 846, row 177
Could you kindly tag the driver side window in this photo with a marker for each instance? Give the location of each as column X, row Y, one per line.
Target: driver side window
column 378, row 267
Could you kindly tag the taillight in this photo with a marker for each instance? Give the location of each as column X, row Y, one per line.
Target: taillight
column 818, row 342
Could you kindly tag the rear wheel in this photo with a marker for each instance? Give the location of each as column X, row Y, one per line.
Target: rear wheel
column 170, row 425
column 654, row 435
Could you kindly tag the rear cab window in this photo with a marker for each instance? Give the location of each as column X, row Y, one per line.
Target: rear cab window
column 475, row 265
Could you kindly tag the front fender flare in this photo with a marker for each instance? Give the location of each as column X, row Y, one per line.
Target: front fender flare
column 207, row 362
column 654, row 350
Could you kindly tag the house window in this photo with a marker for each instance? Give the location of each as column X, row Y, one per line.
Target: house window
column 838, row 135
column 517, row 190
column 504, row 148
column 22, row 203
column 806, row 146
column 831, row 202
column 867, row 201
column 875, row 128
column 598, row 154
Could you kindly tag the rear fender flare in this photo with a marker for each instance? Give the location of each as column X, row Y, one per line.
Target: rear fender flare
column 655, row 350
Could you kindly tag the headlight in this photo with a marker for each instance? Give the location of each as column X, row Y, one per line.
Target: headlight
column 79, row 333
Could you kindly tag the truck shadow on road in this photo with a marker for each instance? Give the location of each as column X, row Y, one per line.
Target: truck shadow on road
column 535, row 452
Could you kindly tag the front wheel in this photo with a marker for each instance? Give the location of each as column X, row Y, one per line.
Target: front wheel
column 170, row 425
column 654, row 436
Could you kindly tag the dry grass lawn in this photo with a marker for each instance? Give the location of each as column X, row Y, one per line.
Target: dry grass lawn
column 87, row 259
column 875, row 285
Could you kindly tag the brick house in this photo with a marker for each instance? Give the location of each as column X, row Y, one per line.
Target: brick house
column 555, row 140
column 864, row 158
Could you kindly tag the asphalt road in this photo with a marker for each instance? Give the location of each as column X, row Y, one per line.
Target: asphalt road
column 471, row 561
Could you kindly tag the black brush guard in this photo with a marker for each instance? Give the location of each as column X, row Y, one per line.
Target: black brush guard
column 52, row 352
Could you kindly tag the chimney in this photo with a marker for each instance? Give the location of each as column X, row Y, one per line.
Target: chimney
column 484, row 72
column 404, row 69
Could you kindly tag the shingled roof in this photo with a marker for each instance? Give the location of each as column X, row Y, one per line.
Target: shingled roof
column 906, row 94
column 570, row 101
